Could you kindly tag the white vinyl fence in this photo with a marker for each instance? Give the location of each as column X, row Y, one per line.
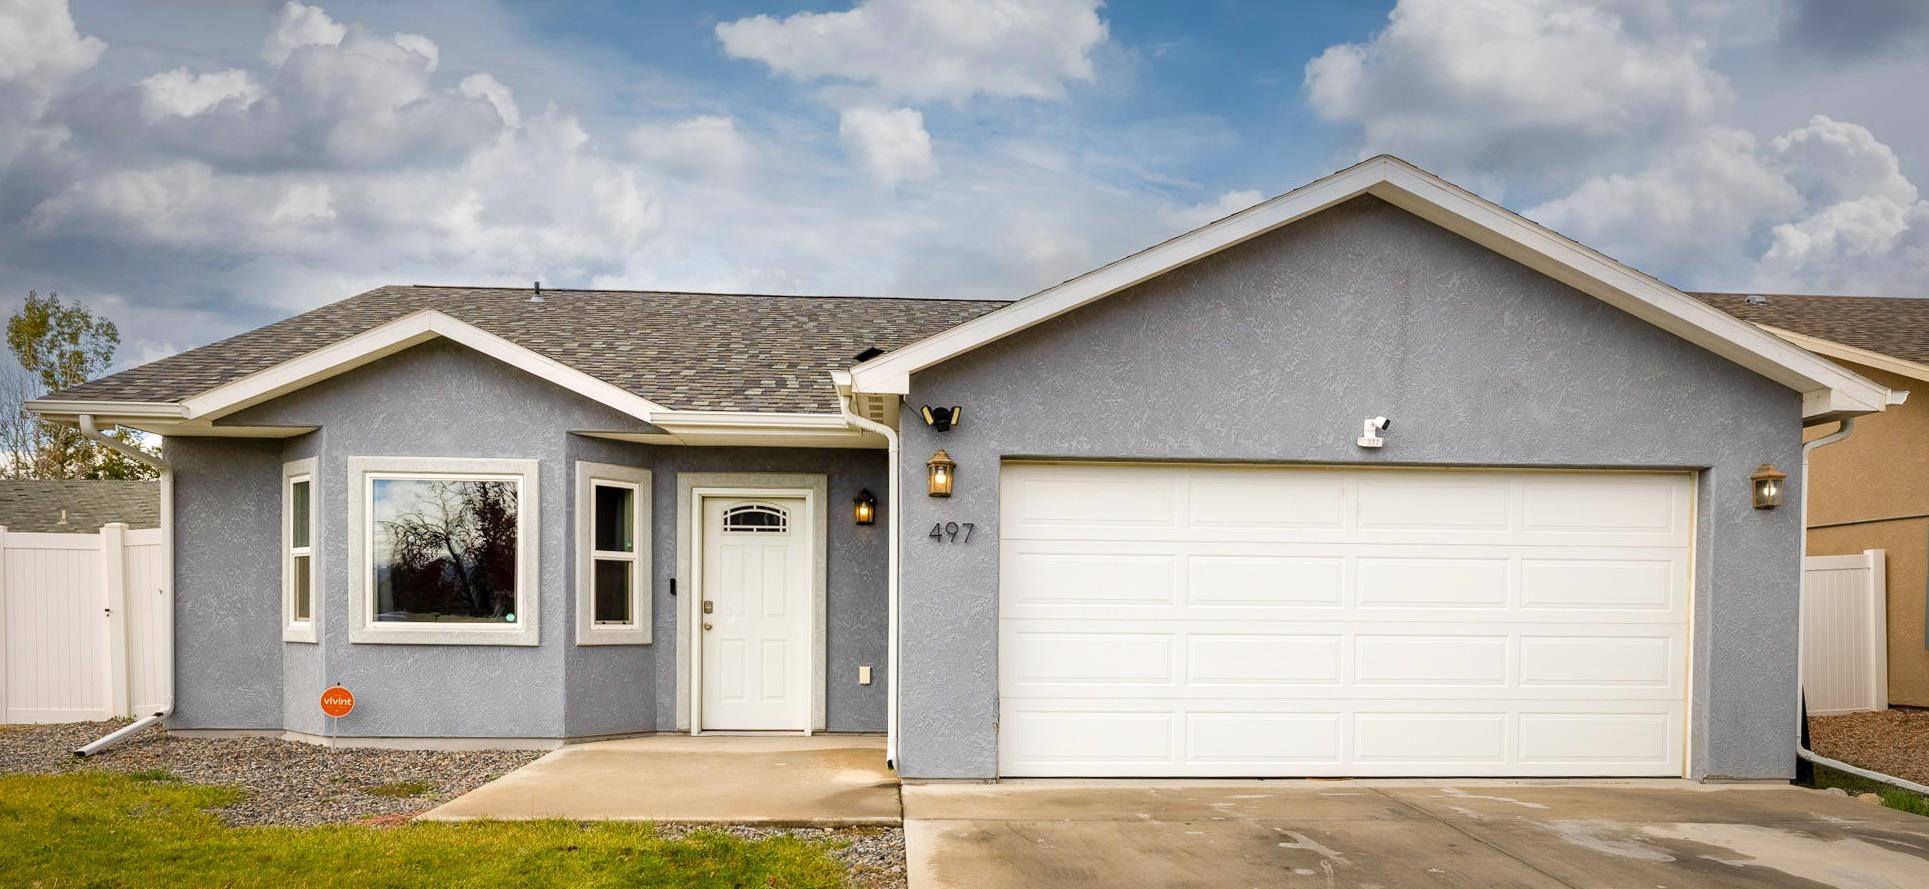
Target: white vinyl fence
column 83, row 625
column 1845, row 634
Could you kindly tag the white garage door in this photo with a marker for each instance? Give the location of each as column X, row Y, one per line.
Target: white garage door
column 1257, row 621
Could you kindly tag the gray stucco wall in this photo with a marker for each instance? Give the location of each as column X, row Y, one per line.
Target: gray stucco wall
column 442, row 400
column 1274, row 351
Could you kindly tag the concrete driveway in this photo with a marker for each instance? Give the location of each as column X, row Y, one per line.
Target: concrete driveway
column 826, row 780
column 1395, row 835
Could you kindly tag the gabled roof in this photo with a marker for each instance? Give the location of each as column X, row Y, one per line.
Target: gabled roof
column 86, row 504
column 1889, row 333
column 1827, row 389
column 649, row 350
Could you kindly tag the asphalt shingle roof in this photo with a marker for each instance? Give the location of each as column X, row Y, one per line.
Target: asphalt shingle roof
column 36, row 505
column 685, row 351
column 1897, row 327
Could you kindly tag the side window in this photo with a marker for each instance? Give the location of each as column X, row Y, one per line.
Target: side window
column 298, row 587
column 612, row 537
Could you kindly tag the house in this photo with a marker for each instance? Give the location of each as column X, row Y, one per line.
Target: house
column 1373, row 478
column 78, row 506
column 1871, row 491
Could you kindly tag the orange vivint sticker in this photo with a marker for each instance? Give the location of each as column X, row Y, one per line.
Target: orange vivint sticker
column 337, row 701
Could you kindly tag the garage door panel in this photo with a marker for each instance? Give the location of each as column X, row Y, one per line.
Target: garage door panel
column 1430, row 582
column 1385, row 623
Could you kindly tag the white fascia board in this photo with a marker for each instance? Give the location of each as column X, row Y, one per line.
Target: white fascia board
column 393, row 337
column 1901, row 367
column 52, row 408
column 761, row 429
column 1451, row 207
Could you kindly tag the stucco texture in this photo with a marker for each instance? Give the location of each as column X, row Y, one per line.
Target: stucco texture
column 1274, row 351
column 443, row 400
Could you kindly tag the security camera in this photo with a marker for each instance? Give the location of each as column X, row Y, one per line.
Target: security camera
column 1370, row 432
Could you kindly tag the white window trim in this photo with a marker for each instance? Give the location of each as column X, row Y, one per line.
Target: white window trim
column 364, row 629
column 293, row 630
column 588, row 632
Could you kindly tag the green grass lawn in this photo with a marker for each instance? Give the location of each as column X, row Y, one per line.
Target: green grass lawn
column 100, row 830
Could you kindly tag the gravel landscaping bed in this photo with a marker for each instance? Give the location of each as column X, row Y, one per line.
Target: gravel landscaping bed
column 1893, row 742
column 292, row 783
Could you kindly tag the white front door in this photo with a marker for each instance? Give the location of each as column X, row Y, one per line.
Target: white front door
column 1278, row 621
column 754, row 617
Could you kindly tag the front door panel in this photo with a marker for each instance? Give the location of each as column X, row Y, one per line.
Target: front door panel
column 755, row 615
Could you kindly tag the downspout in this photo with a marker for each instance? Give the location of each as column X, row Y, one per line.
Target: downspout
column 846, row 403
column 1801, row 712
column 93, row 434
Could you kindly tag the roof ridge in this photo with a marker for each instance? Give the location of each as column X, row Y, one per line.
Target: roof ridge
column 549, row 290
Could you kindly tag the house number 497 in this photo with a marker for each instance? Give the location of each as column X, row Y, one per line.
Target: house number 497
column 949, row 532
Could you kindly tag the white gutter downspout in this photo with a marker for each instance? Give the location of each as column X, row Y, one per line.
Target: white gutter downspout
column 1848, row 426
column 92, row 433
column 846, row 402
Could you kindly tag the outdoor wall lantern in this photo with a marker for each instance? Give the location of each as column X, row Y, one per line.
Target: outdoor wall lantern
column 942, row 418
column 1768, row 486
column 941, row 470
column 864, row 507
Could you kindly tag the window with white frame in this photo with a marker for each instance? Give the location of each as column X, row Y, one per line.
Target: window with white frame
column 448, row 550
column 612, row 536
column 298, row 587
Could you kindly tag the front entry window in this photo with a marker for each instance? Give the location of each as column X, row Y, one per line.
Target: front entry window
column 445, row 549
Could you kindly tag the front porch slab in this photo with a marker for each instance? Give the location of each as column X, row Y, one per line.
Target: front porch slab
column 824, row 780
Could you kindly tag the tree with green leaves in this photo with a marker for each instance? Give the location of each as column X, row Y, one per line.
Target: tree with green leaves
column 58, row 346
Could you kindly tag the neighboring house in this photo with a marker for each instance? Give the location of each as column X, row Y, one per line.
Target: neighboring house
column 1169, row 546
column 1871, row 490
column 79, row 506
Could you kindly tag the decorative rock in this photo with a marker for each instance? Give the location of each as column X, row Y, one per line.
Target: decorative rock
column 1873, row 798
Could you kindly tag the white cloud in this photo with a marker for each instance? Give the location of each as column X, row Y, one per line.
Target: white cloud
column 1696, row 202
column 706, row 146
column 491, row 90
column 39, row 50
column 181, row 93
column 300, row 26
column 1822, row 208
column 1188, row 218
column 421, row 46
column 891, row 145
column 931, row 49
column 1509, row 85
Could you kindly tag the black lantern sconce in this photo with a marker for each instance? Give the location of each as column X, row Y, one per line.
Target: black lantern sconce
column 941, row 471
column 1768, row 482
column 864, row 507
column 942, row 418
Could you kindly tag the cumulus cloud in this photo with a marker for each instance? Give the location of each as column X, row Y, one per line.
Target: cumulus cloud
column 300, row 26
column 39, row 50
column 890, row 144
column 1824, row 207
column 182, row 93
column 1509, row 85
column 931, row 49
column 703, row 147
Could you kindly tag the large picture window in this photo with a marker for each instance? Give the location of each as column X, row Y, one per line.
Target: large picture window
column 448, row 554
column 612, row 555
column 298, row 570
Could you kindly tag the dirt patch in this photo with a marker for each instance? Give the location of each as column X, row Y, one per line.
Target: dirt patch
column 1894, row 742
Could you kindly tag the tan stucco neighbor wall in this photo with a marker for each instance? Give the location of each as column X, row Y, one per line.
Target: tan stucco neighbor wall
column 1871, row 491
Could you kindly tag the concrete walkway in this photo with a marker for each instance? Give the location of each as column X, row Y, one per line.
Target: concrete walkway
column 1473, row 834
column 829, row 780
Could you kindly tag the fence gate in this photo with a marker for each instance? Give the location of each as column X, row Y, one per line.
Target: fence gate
column 82, row 625
column 1845, row 634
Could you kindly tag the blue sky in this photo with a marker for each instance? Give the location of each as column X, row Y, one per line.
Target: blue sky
column 199, row 167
